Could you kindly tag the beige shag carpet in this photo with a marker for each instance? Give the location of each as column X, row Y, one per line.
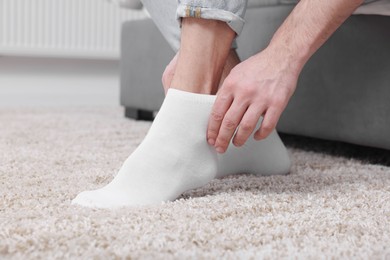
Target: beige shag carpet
column 334, row 204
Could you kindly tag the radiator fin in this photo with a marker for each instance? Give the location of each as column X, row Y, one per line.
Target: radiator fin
column 62, row 28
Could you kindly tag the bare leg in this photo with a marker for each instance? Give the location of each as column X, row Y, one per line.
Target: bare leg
column 204, row 49
column 231, row 61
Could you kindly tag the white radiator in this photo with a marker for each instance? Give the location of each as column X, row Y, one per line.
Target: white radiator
column 62, row 28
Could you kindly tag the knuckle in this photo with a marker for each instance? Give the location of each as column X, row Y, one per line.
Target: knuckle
column 249, row 91
column 279, row 101
column 238, row 141
column 282, row 97
column 246, row 127
column 267, row 128
column 217, row 116
column 224, row 97
column 237, row 144
column 228, row 82
column 267, row 100
column 212, row 133
column 229, row 124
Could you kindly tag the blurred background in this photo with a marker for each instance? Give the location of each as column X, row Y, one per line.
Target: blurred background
column 56, row 52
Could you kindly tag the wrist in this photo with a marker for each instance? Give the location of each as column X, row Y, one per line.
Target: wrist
column 294, row 58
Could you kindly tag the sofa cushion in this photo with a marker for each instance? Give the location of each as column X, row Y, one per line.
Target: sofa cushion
column 260, row 3
column 381, row 7
column 131, row 4
column 370, row 7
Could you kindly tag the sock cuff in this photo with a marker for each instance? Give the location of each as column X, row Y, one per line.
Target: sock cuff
column 189, row 96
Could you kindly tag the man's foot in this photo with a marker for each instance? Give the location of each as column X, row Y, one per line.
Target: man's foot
column 174, row 157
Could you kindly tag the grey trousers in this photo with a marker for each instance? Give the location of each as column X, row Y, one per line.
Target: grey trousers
column 167, row 14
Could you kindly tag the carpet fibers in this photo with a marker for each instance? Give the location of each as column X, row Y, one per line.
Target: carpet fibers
column 334, row 204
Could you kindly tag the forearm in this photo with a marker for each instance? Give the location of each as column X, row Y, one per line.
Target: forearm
column 308, row 26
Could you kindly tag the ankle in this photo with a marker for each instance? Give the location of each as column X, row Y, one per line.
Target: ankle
column 205, row 45
column 189, row 84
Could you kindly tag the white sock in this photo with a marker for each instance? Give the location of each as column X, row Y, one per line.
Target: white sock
column 174, row 157
column 265, row 157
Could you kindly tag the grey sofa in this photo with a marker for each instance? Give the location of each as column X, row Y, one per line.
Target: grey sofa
column 343, row 92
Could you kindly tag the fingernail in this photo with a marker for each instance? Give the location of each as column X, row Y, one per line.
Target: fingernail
column 237, row 144
column 211, row 141
column 219, row 150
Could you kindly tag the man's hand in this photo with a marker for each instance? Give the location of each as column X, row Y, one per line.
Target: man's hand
column 259, row 86
column 263, row 84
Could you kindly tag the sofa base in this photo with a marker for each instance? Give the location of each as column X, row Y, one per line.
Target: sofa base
column 139, row 114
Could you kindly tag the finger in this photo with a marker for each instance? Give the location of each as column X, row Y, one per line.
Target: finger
column 229, row 125
column 220, row 107
column 270, row 120
column 247, row 125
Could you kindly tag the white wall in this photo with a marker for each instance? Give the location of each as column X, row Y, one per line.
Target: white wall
column 58, row 82
column 62, row 28
column 60, row 53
